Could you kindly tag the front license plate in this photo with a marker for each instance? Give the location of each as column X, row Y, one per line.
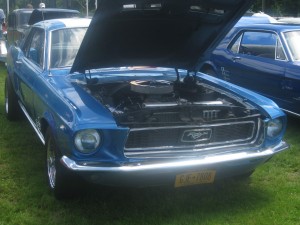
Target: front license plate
column 193, row 178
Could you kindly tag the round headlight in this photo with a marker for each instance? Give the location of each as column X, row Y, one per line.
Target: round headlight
column 274, row 128
column 87, row 141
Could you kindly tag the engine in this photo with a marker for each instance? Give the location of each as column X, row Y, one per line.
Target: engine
column 140, row 103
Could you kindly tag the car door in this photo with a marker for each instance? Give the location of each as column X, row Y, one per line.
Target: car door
column 29, row 66
column 255, row 60
column 292, row 82
column 292, row 88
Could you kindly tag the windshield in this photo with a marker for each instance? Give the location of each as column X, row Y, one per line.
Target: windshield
column 292, row 39
column 23, row 19
column 64, row 46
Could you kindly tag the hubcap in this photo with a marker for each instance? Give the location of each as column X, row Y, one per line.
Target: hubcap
column 6, row 100
column 51, row 168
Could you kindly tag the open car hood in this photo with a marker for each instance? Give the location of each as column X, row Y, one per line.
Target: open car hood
column 159, row 33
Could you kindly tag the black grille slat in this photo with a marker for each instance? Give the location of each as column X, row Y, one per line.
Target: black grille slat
column 232, row 132
column 146, row 138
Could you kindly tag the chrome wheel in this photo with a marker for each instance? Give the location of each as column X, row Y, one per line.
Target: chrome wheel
column 6, row 98
column 60, row 180
column 51, row 164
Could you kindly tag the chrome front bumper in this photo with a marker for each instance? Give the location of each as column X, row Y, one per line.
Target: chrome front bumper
column 216, row 160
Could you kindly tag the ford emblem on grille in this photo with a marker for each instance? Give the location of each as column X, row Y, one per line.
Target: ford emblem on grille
column 196, row 135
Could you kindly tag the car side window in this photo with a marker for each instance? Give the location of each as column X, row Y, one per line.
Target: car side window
column 236, row 45
column 34, row 46
column 11, row 21
column 259, row 43
column 280, row 55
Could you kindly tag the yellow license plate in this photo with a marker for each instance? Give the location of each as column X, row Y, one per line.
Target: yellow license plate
column 193, row 178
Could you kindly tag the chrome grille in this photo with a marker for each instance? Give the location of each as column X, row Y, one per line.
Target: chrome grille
column 185, row 138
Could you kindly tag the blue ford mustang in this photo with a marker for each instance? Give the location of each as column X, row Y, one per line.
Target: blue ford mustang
column 119, row 101
column 261, row 57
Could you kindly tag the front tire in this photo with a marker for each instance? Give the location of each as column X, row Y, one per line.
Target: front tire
column 244, row 176
column 12, row 108
column 60, row 179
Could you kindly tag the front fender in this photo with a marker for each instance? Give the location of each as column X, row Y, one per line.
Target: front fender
column 265, row 105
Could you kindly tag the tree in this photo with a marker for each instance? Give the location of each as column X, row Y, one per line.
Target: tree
column 272, row 7
column 278, row 7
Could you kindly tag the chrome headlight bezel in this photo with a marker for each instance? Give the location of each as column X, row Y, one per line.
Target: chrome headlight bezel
column 275, row 128
column 87, row 141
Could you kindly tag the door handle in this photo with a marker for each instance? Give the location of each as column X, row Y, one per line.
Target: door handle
column 236, row 58
column 18, row 62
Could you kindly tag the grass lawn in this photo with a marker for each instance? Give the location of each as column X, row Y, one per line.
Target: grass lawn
column 271, row 195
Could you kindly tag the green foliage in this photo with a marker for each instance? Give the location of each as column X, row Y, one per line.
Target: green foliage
column 272, row 7
column 79, row 5
column 270, row 196
column 278, row 7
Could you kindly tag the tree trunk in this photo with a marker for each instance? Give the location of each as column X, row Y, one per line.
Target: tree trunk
column 263, row 5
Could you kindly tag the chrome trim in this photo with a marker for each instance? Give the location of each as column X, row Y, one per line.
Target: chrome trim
column 49, row 45
column 282, row 34
column 38, row 132
column 49, row 51
column 283, row 49
column 208, row 103
column 191, row 126
column 205, row 161
column 154, row 105
column 242, row 30
column 186, row 151
column 170, row 104
column 290, row 112
column 198, row 135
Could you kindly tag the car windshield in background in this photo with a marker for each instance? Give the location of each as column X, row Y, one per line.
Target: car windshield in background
column 292, row 39
column 64, row 46
column 24, row 18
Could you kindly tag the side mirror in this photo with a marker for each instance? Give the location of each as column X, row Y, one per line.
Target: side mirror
column 33, row 54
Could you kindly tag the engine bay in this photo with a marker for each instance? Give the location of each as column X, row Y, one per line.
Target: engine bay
column 142, row 103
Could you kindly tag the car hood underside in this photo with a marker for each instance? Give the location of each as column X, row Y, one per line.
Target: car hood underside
column 165, row 33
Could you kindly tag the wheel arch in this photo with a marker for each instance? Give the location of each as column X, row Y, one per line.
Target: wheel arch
column 206, row 66
column 47, row 121
column 44, row 126
column 60, row 131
